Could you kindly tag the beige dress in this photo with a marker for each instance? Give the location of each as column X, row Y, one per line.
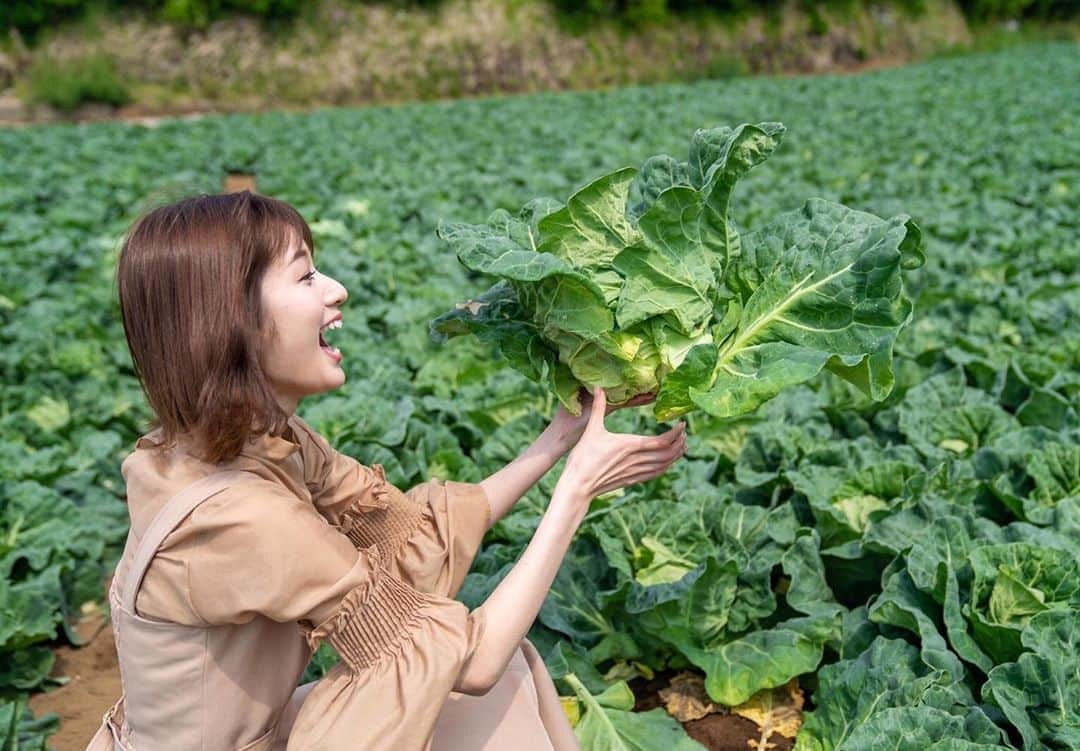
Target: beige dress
column 309, row 545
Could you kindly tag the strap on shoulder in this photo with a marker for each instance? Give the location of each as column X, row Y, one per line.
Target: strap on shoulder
column 174, row 511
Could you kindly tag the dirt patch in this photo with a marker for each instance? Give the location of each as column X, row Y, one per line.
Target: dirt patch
column 93, row 687
column 730, row 733
column 716, row 732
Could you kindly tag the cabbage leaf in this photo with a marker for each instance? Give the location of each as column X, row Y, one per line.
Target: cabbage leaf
column 642, row 283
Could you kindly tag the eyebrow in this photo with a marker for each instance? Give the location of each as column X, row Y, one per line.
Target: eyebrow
column 301, row 252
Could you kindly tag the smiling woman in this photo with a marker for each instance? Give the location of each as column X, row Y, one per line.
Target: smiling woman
column 300, row 304
column 203, row 283
column 253, row 541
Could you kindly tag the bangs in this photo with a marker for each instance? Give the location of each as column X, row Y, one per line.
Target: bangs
column 281, row 225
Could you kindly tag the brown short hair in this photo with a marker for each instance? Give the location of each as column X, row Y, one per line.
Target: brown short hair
column 189, row 281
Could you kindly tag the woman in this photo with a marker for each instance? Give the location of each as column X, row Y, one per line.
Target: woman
column 252, row 540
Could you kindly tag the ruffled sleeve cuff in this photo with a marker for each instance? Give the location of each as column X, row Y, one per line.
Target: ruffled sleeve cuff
column 370, row 622
column 402, row 653
column 428, row 536
column 385, row 528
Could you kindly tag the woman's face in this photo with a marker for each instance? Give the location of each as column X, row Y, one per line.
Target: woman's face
column 299, row 302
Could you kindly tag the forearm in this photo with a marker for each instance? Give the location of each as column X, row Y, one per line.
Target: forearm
column 505, row 487
column 512, row 608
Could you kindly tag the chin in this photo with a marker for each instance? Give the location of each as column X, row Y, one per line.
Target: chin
column 337, row 382
column 325, row 388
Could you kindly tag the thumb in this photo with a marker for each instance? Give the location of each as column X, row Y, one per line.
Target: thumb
column 598, row 409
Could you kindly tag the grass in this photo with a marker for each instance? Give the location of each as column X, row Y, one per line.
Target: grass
column 997, row 36
column 66, row 84
column 342, row 53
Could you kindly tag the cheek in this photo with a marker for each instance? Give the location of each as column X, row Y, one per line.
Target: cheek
column 285, row 322
column 282, row 335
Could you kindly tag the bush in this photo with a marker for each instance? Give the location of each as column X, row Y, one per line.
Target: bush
column 67, row 84
column 987, row 10
column 202, row 12
column 32, row 16
column 636, row 12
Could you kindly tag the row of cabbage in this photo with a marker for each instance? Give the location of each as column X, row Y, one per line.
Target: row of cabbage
column 913, row 561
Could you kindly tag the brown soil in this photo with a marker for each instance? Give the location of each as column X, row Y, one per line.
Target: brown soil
column 716, row 732
column 93, row 687
column 726, row 732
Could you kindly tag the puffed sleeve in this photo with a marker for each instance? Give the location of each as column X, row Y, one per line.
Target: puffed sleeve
column 265, row 551
column 428, row 536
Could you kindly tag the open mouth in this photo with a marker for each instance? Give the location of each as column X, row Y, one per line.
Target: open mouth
column 332, row 352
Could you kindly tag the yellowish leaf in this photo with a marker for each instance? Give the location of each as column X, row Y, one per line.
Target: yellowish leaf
column 774, row 710
column 572, row 708
column 685, row 699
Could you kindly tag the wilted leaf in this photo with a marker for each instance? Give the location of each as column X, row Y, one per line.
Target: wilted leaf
column 775, row 710
column 686, row 699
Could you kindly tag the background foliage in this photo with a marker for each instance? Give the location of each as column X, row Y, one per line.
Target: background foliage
column 65, row 86
column 31, row 16
column 870, row 549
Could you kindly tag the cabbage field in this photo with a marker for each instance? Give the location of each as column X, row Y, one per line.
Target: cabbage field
column 911, row 562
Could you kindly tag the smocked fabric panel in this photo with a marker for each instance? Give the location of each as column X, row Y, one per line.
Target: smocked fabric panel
column 385, row 528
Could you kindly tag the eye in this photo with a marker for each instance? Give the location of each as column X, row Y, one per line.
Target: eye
column 309, row 276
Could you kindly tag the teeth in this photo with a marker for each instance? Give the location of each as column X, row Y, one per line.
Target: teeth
column 335, row 325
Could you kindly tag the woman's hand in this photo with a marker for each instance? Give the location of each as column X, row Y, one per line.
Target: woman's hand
column 505, row 487
column 570, row 427
column 600, row 462
column 603, row 461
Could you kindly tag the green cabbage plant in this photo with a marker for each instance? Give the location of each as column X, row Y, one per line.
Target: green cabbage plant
column 641, row 283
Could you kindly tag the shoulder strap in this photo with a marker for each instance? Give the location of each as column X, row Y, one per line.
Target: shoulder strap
column 175, row 511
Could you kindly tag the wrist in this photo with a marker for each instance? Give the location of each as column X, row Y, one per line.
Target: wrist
column 571, row 492
column 558, row 438
column 567, row 512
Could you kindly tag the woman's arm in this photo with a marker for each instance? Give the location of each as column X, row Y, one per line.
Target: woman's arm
column 601, row 462
column 505, row 487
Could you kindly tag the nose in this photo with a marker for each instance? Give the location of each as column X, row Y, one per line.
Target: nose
column 336, row 293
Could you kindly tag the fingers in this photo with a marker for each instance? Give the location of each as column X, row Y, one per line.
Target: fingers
column 658, row 442
column 667, row 454
column 616, row 460
column 672, row 435
column 656, row 468
column 598, row 409
column 647, row 465
column 644, row 474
